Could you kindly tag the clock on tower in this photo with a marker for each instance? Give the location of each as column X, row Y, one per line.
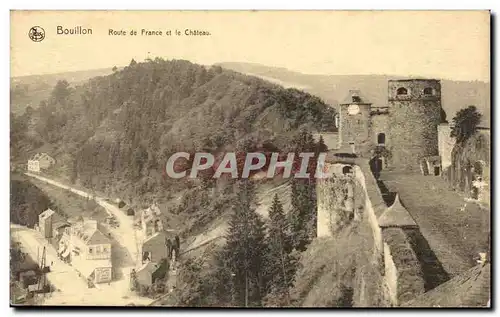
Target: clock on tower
column 353, row 109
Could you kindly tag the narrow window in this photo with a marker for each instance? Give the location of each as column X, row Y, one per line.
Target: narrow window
column 381, row 138
column 428, row 91
column 402, row 91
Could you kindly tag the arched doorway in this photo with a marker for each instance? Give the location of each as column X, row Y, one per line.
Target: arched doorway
column 376, row 166
column 347, row 170
column 381, row 139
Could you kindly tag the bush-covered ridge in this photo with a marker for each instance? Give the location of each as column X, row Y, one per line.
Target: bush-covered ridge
column 125, row 125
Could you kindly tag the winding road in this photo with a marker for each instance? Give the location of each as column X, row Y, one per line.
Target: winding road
column 66, row 279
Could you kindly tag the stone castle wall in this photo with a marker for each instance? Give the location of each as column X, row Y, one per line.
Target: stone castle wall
column 326, row 201
column 413, row 120
column 380, row 124
column 355, row 128
column 445, row 145
column 339, row 201
column 392, row 249
column 403, row 272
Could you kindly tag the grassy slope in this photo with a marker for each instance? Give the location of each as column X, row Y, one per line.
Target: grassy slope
column 455, row 235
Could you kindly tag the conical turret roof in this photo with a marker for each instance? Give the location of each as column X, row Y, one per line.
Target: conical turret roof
column 396, row 216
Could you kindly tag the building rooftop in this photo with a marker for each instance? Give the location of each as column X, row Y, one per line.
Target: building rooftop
column 47, row 213
column 149, row 267
column 88, row 232
column 396, row 216
column 355, row 96
column 157, row 235
column 39, row 156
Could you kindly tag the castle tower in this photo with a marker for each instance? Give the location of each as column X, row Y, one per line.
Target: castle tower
column 354, row 129
column 414, row 116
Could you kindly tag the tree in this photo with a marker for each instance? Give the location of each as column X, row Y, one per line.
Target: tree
column 280, row 265
column 114, row 69
column 321, row 146
column 304, row 141
column 61, row 92
column 132, row 62
column 297, row 215
column 243, row 254
column 465, row 123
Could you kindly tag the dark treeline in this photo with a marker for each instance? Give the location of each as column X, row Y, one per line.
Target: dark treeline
column 26, row 201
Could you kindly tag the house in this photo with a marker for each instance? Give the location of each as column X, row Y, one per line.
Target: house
column 151, row 220
column 39, row 162
column 150, row 272
column 88, row 250
column 58, row 227
column 45, row 220
column 154, row 248
column 51, row 224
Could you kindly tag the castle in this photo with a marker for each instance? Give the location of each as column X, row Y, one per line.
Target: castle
column 407, row 128
column 408, row 134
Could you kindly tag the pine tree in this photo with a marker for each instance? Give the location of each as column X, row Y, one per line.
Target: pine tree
column 304, row 141
column 321, row 146
column 303, row 213
column 245, row 249
column 280, row 266
column 296, row 215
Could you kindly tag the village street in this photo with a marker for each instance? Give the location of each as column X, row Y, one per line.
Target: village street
column 125, row 246
column 71, row 288
column 125, row 234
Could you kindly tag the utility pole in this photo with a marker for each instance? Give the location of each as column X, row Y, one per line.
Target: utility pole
column 246, row 288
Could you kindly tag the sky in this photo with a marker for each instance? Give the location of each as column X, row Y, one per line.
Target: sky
column 440, row 44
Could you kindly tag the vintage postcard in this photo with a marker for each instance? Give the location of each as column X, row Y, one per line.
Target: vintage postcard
column 250, row 158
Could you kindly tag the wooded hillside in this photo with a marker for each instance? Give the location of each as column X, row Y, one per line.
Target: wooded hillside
column 120, row 129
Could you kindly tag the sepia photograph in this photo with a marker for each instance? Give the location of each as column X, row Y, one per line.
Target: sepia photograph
column 250, row 159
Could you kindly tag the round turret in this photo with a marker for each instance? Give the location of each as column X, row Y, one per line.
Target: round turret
column 414, row 116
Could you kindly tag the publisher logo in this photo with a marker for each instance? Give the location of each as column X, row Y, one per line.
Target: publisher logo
column 36, row 34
